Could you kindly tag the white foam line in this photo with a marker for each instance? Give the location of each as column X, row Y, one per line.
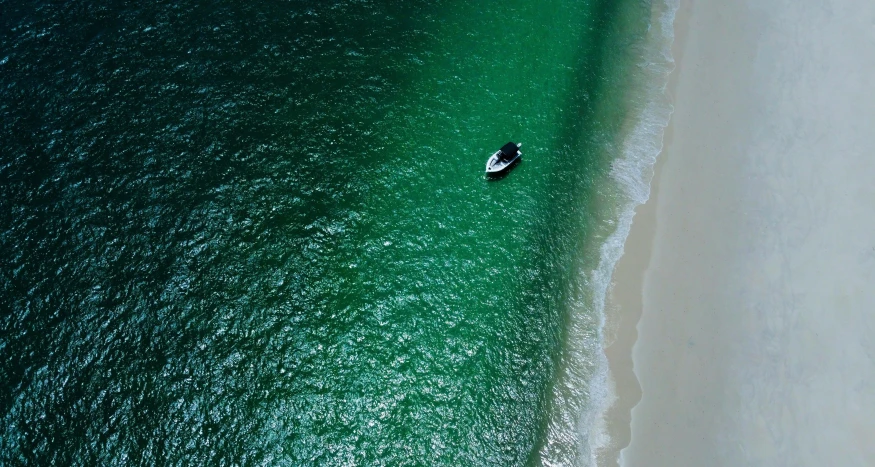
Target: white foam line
column 633, row 172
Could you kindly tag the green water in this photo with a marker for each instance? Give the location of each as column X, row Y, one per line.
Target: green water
column 261, row 234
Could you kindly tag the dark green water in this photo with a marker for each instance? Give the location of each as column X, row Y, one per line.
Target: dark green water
column 260, row 234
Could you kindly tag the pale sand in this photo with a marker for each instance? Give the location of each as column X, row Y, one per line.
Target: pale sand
column 752, row 267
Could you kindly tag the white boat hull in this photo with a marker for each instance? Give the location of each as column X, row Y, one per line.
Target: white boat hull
column 496, row 166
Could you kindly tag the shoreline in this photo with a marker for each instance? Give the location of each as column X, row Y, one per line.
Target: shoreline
column 624, row 302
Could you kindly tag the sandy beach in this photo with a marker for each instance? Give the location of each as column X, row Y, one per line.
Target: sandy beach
column 745, row 301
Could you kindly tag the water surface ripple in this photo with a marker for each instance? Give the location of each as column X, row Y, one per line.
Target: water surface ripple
column 259, row 234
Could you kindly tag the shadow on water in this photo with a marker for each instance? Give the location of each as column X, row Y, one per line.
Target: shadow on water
column 134, row 249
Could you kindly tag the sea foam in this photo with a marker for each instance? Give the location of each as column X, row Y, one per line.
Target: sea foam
column 577, row 432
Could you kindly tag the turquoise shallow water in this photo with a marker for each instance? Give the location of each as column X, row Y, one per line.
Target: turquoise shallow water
column 261, row 234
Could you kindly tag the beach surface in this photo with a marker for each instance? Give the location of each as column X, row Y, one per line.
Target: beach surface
column 743, row 306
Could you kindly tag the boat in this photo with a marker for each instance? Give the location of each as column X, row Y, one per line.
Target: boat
column 503, row 159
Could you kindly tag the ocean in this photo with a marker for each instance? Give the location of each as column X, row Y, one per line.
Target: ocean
column 237, row 233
